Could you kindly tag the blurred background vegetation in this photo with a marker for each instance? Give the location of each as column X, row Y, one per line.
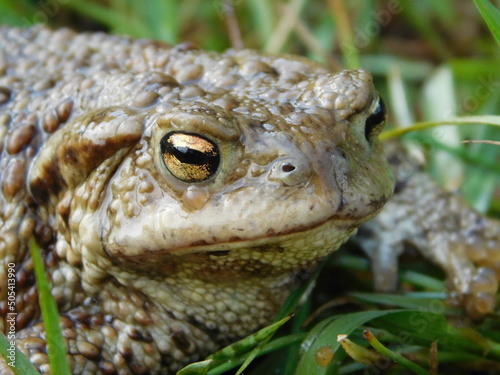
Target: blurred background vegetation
column 431, row 60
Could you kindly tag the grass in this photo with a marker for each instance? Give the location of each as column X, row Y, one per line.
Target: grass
column 429, row 72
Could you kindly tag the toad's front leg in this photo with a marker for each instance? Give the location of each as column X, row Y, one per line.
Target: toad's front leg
column 443, row 228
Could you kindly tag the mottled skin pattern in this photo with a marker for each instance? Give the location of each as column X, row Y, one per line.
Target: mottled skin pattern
column 151, row 272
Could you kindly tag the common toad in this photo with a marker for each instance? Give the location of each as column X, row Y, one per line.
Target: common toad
column 177, row 195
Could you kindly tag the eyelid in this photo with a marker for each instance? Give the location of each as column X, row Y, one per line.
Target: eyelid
column 375, row 121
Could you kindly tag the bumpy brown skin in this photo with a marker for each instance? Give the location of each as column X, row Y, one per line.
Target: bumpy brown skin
column 150, row 272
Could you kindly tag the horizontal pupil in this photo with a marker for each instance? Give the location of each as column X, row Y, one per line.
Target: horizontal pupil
column 188, row 155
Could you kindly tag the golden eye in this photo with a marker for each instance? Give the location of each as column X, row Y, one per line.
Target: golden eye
column 375, row 122
column 190, row 157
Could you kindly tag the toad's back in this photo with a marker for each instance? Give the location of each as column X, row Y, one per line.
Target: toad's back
column 176, row 195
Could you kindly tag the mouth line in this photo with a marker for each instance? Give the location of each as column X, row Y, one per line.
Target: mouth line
column 298, row 248
column 271, row 242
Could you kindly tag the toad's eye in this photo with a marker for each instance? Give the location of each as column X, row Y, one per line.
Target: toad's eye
column 376, row 120
column 190, row 157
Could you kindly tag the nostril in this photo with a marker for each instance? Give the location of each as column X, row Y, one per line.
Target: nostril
column 287, row 168
column 290, row 171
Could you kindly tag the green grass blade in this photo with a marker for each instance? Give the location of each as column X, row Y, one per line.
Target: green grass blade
column 423, row 281
column 479, row 188
column 98, row 12
column 466, row 120
column 491, row 15
column 424, row 327
column 399, row 98
column 398, row 358
column 324, row 334
column 18, row 13
column 408, row 301
column 292, row 355
column 241, row 352
column 285, row 26
column 269, row 332
column 416, row 16
column 293, row 300
column 272, row 346
column 248, row 343
column 412, row 327
column 262, row 17
column 348, row 45
column 22, row 364
column 55, row 343
column 160, row 18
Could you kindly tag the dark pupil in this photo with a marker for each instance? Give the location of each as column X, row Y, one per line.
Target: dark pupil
column 187, row 155
column 376, row 118
column 191, row 156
